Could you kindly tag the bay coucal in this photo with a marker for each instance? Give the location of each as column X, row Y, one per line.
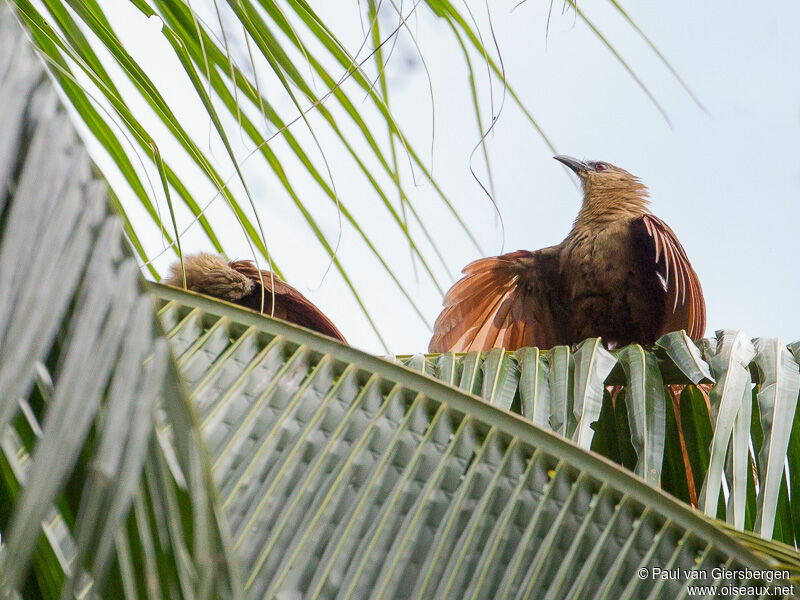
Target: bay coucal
column 621, row 274
column 240, row 282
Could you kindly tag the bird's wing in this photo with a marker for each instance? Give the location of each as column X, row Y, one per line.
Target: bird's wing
column 502, row 301
column 290, row 305
column 685, row 307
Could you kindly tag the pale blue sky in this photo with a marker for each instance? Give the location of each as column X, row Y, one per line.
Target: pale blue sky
column 726, row 180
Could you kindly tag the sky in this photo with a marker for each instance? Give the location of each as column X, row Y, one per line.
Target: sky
column 725, row 175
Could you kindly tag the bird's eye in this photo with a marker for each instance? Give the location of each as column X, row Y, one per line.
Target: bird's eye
column 600, row 167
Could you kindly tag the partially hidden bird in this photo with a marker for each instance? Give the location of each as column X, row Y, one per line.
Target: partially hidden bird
column 240, row 282
column 621, row 274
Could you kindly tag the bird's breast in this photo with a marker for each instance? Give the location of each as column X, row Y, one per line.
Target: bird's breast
column 600, row 260
column 606, row 289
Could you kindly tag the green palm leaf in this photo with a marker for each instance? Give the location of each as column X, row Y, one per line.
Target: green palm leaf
column 778, row 388
column 730, row 368
column 646, row 410
column 593, row 363
column 89, row 387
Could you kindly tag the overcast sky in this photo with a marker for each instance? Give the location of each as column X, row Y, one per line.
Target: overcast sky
column 726, row 179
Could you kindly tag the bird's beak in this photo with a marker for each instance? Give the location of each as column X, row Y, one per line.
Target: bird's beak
column 578, row 166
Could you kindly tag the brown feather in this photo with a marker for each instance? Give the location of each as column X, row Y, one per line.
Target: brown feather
column 497, row 302
column 685, row 307
column 241, row 282
column 290, row 304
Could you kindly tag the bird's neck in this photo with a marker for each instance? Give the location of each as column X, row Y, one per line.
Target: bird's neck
column 602, row 206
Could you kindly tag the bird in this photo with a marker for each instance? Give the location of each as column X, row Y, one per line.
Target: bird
column 240, row 282
column 620, row 274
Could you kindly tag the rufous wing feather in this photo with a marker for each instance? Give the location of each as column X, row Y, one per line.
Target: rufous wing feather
column 502, row 301
column 684, row 305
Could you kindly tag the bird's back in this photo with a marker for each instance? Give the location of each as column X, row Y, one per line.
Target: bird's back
column 242, row 283
column 289, row 304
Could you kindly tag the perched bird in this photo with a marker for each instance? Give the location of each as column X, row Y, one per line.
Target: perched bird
column 621, row 274
column 239, row 282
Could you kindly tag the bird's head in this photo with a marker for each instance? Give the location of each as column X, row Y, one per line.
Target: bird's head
column 209, row 274
column 606, row 185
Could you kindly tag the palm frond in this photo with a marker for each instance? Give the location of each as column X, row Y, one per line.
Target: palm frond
column 99, row 448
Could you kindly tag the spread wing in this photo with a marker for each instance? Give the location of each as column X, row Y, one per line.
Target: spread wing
column 502, row 301
column 684, row 305
column 290, row 305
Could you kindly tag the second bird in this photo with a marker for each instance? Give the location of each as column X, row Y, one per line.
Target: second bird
column 621, row 274
column 240, row 282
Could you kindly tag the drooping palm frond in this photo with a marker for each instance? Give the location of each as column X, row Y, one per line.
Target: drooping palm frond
column 104, row 477
column 282, row 95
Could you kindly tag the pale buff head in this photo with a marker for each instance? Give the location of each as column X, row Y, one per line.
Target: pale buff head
column 608, row 189
column 209, row 274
